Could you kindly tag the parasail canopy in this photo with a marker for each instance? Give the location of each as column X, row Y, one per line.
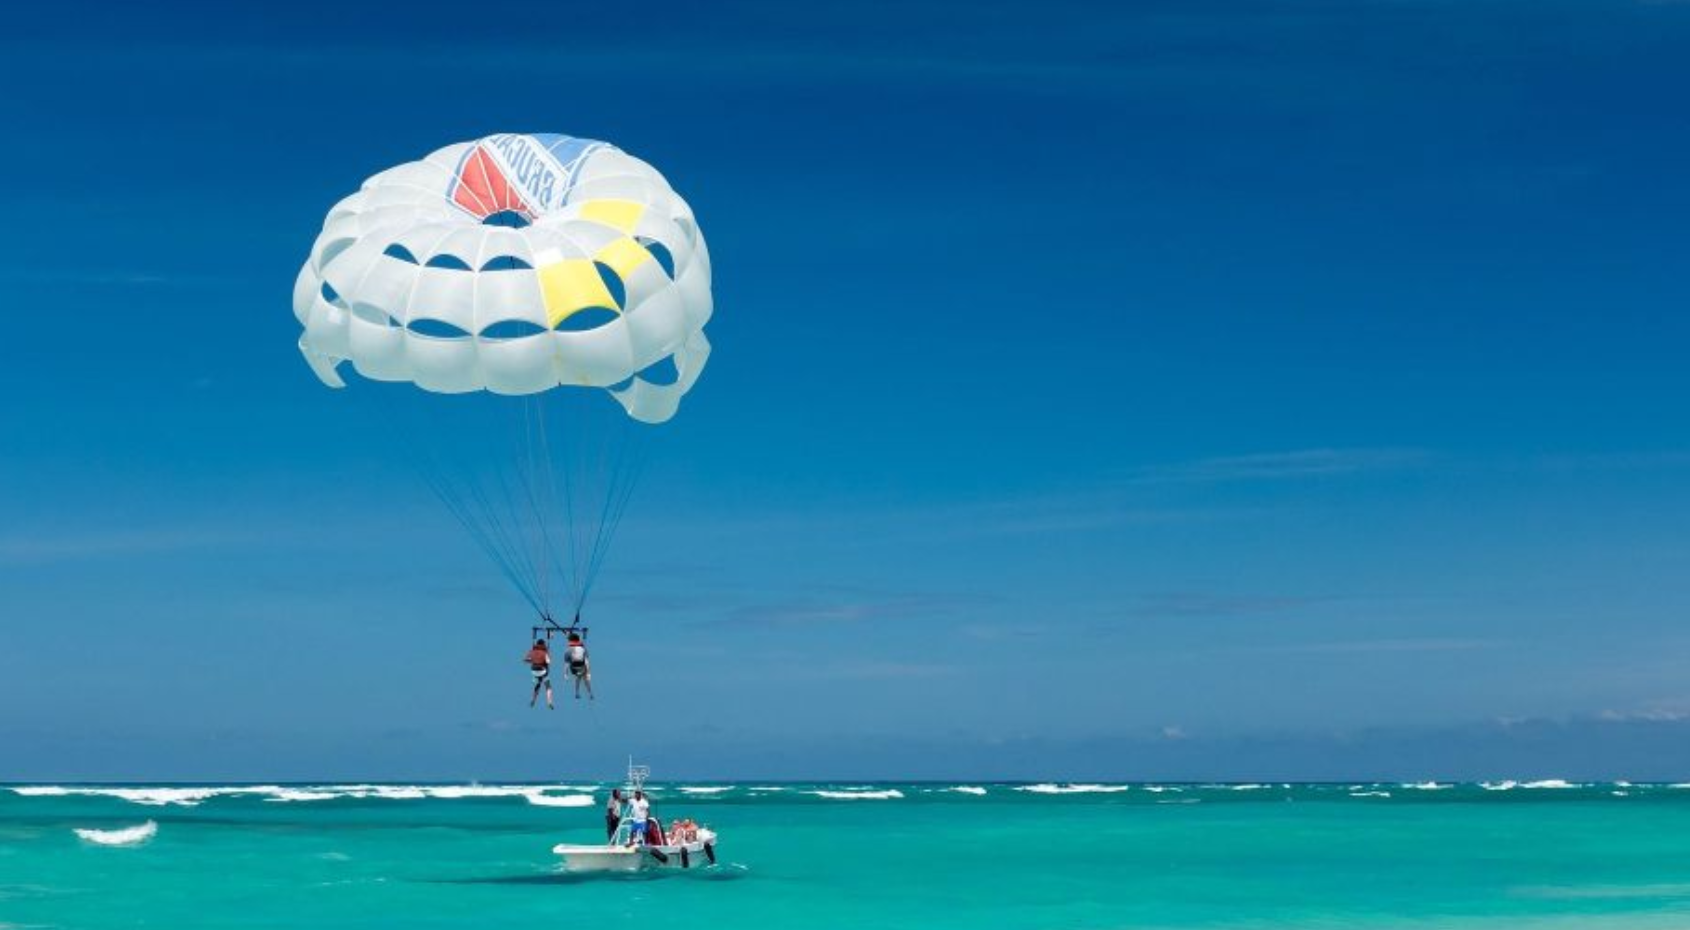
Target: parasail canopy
column 527, row 267
column 517, row 263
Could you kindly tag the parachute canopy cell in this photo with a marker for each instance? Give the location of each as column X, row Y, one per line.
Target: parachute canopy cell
column 516, row 264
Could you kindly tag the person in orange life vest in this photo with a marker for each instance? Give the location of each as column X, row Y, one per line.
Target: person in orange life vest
column 539, row 661
column 579, row 668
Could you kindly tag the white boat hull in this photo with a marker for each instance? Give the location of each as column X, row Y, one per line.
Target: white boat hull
column 616, row 858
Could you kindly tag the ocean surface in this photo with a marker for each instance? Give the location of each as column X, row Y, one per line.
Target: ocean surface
column 1533, row 854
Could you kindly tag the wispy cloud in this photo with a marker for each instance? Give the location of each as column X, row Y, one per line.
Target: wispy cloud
column 1400, row 645
column 1616, row 461
column 821, row 610
column 1283, row 466
column 1074, row 513
column 1672, row 711
column 32, row 549
column 882, row 671
column 1197, row 604
column 109, row 278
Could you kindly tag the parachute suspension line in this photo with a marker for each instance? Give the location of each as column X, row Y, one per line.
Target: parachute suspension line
column 485, row 532
column 571, row 451
column 624, row 475
column 460, row 512
column 510, row 529
column 505, row 531
column 631, row 480
column 541, row 550
column 597, row 467
column 511, row 503
column 547, row 484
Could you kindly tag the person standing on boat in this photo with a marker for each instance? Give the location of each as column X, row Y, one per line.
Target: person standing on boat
column 539, row 661
column 613, row 814
column 638, row 810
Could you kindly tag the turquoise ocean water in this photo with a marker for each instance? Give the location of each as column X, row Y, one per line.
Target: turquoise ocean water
column 883, row 855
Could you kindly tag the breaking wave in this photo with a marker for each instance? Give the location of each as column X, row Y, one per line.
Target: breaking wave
column 128, row 836
column 190, row 797
column 301, row 794
column 152, row 797
column 560, row 800
column 566, row 795
column 1048, row 788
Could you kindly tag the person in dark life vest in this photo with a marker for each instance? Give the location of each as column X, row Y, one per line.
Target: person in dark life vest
column 539, row 661
column 613, row 814
column 575, row 654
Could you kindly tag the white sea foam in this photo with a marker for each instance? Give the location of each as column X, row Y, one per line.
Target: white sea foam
column 302, row 794
column 889, row 794
column 151, row 797
column 158, row 797
column 1048, row 788
column 761, row 789
column 1370, row 794
column 560, row 800
column 191, row 796
column 965, row 789
column 1160, row 789
column 705, row 789
column 392, row 793
column 1499, row 785
column 1551, row 783
column 441, row 792
column 1426, row 786
column 128, row 836
column 460, row 792
column 1247, row 787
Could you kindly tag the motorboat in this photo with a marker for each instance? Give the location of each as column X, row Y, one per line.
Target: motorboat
column 681, row 844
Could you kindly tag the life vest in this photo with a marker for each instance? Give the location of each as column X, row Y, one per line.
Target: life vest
column 538, row 658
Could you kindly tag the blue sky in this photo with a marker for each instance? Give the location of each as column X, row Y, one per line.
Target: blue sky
column 1182, row 389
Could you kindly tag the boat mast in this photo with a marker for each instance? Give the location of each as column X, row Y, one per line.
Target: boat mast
column 637, row 774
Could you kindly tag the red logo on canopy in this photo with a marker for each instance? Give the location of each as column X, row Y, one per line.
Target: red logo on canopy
column 482, row 189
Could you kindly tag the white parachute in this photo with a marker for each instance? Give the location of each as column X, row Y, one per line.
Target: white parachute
column 516, row 264
column 524, row 268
